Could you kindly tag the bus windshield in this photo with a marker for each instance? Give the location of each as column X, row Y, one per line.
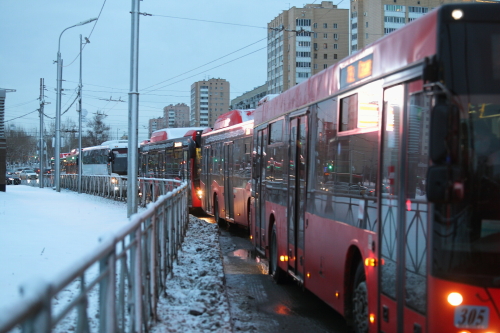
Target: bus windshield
column 119, row 161
column 475, row 50
column 466, row 235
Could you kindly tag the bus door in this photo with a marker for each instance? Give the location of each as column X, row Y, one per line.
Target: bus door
column 297, row 195
column 403, row 210
column 228, row 180
column 206, row 177
column 186, row 165
column 259, row 186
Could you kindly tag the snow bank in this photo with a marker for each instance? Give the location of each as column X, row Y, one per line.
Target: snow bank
column 195, row 298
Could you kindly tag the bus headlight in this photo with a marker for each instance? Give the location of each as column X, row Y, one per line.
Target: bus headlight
column 455, row 299
column 114, row 180
column 199, row 193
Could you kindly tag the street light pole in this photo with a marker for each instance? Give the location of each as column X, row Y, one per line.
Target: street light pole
column 41, row 146
column 58, row 108
column 133, row 115
column 80, row 155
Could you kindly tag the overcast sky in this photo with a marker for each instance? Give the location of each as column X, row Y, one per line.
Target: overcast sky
column 181, row 43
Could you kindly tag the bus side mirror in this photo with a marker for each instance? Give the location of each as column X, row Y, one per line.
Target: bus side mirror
column 443, row 184
column 443, row 131
column 110, row 157
column 438, row 133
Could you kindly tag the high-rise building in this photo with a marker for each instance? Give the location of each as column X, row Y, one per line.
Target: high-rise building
column 209, row 99
column 3, row 141
column 373, row 19
column 303, row 42
column 176, row 115
column 156, row 124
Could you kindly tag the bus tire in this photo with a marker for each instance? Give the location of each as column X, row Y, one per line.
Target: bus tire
column 276, row 272
column 220, row 222
column 360, row 301
column 249, row 221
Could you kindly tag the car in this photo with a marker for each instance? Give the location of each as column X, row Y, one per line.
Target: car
column 18, row 170
column 28, row 174
column 12, row 179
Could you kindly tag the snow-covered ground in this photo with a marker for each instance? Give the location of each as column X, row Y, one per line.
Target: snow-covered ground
column 196, row 299
column 43, row 233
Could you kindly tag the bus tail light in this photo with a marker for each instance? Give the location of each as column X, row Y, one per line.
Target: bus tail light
column 372, row 262
column 199, row 193
column 455, row 299
column 372, row 318
column 283, row 258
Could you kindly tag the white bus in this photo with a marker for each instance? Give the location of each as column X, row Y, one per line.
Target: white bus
column 107, row 159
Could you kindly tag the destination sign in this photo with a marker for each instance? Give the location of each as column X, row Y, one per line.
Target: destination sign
column 356, row 71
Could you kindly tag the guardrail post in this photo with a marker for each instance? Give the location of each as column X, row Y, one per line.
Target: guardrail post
column 107, row 298
column 41, row 322
column 154, row 262
column 136, row 264
column 82, row 324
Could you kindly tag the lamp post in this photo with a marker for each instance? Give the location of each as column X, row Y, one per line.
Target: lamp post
column 80, row 155
column 133, row 118
column 58, row 107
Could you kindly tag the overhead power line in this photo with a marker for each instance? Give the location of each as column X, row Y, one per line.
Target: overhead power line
column 227, row 62
column 217, row 22
column 24, row 115
column 91, row 31
column 260, row 40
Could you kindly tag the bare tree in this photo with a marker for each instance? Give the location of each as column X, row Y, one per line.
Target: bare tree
column 98, row 132
column 21, row 146
column 69, row 132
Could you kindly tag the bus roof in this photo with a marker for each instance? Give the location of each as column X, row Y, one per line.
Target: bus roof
column 173, row 133
column 405, row 46
column 233, row 117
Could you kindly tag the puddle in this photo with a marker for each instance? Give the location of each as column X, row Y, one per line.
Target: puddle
column 249, row 257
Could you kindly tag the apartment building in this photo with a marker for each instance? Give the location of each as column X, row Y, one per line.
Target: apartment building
column 373, row 19
column 177, row 115
column 209, row 99
column 156, row 124
column 250, row 99
column 303, row 42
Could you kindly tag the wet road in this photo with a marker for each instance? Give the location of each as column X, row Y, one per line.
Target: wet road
column 258, row 304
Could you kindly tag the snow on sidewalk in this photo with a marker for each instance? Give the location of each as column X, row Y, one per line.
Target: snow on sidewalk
column 195, row 299
column 43, row 232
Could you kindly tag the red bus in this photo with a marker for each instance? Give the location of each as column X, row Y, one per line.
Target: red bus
column 376, row 182
column 174, row 153
column 226, row 169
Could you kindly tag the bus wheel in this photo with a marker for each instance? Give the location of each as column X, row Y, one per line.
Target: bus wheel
column 249, row 221
column 275, row 271
column 220, row 222
column 360, row 301
column 216, row 210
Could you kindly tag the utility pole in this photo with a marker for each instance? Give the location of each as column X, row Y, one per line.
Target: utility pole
column 41, row 144
column 80, row 155
column 133, row 118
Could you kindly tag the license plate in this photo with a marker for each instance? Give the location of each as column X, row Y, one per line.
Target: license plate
column 470, row 316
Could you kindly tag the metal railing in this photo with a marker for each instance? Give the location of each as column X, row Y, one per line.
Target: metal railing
column 113, row 187
column 117, row 286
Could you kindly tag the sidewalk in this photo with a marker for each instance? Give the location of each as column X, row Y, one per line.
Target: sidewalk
column 42, row 232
